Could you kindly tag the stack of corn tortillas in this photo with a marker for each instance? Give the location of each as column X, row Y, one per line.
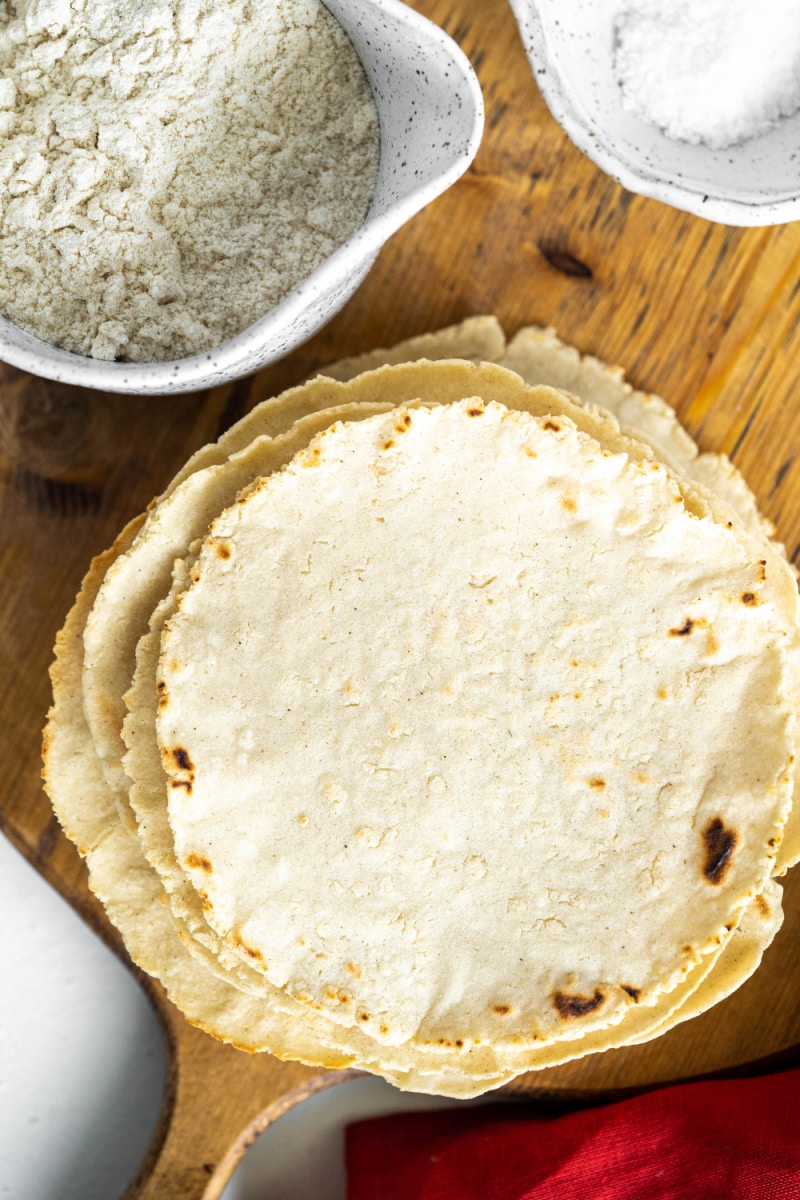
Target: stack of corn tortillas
column 438, row 722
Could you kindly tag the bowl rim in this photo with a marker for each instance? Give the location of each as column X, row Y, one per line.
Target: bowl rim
column 597, row 146
column 238, row 356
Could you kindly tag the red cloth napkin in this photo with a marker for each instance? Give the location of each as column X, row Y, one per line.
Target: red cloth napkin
column 732, row 1140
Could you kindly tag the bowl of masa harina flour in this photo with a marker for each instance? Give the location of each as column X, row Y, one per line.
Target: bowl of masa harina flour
column 191, row 188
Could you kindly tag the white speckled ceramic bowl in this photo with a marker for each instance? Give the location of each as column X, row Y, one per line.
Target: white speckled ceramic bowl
column 431, row 120
column 570, row 47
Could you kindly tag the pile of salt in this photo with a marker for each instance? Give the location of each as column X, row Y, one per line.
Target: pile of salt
column 709, row 71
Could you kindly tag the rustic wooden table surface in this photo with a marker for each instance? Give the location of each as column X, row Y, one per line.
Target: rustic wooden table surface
column 705, row 315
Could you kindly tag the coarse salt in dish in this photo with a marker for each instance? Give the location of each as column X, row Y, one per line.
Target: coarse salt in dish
column 571, row 45
column 717, row 72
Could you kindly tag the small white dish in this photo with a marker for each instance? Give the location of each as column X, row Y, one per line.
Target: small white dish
column 430, row 110
column 570, row 44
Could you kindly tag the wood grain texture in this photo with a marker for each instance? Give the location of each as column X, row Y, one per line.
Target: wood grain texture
column 707, row 316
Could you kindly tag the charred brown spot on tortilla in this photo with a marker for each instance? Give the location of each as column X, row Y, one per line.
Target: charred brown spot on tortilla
column 354, row 970
column 530, row 452
column 182, row 783
column 223, row 550
column 749, row 598
column 199, row 861
column 248, row 950
column 763, row 569
column 387, row 445
column 475, row 412
column 553, row 426
column 502, row 1010
column 160, row 686
column 719, row 844
column 597, row 782
column 772, row 843
column 763, row 907
column 312, row 457
column 569, row 504
column 570, row 1006
column 403, row 424
column 459, row 1043
column 662, row 693
column 163, row 701
column 684, row 630
column 633, row 992
column 181, row 758
column 364, row 1016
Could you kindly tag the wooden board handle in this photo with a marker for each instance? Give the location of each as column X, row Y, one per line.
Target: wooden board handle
column 217, row 1101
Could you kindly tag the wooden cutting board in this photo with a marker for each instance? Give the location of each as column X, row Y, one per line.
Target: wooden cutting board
column 707, row 316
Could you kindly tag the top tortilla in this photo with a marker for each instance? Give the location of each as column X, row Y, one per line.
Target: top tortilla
column 597, row 566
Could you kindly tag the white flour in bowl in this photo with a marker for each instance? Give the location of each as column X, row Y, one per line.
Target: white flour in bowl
column 171, row 169
column 709, row 71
